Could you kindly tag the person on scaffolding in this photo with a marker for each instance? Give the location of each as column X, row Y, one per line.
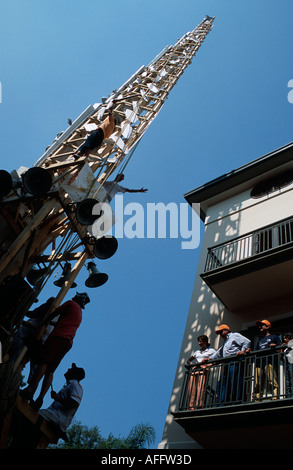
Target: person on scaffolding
column 54, row 349
column 66, row 402
column 95, row 139
column 112, row 187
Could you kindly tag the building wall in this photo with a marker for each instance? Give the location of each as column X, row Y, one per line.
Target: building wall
column 241, row 214
column 225, row 220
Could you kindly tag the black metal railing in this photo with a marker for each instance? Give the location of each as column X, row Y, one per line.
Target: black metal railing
column 250, row 378
column 250, row 245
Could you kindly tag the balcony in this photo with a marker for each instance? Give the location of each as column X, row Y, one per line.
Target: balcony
column 239, row 402
column 254, row 269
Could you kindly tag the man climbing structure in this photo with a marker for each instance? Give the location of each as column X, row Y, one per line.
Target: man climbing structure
column 66, row 401
column 95, row 139
column 56, row 347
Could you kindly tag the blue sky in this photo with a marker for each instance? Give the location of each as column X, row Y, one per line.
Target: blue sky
column 230, row 107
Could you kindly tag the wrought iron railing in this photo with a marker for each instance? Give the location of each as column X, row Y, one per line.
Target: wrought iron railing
column 250, row 245
column 250, row 378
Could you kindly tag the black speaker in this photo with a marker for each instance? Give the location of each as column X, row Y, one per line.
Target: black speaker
column 37, row 181
column 6, row 183
column 84, row 212
column 105, row 247
column 95, row 279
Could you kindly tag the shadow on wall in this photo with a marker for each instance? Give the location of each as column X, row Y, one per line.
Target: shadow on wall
column 205, row 314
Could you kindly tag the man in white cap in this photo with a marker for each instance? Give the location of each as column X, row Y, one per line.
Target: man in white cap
column 66, row 401
column 57, row 345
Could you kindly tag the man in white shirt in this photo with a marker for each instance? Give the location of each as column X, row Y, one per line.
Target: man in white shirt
column 112, row 187
column 66, row 401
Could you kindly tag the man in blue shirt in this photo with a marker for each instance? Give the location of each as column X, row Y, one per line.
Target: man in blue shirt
column 229, row 388
column 266, row 374
column 234, row 343
column 267, row 340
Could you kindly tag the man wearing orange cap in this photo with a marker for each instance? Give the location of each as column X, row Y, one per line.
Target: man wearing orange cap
column 230, row 384
column 267, row 339
column 266, row 370
column 234, row 343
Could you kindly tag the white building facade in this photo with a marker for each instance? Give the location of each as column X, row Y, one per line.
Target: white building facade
column 243, row 275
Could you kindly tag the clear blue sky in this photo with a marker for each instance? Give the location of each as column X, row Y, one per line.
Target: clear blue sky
column 230, row 107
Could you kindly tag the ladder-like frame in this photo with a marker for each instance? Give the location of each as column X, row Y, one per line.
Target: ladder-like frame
column 43, row 229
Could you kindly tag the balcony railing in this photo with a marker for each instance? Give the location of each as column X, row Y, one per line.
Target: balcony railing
column 250, row 378
column 250, row 245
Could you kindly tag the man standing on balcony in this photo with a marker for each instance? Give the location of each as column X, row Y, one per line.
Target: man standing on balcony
column 230, row 383
column 288, row 364
column 266, row 374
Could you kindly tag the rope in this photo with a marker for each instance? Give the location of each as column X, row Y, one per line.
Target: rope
column 127, row 160
column 120, row 172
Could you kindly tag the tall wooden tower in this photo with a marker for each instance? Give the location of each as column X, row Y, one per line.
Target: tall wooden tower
column 44, row 210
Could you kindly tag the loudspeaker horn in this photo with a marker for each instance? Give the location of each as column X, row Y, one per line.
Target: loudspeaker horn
column 7, row 183
column 105, row 247
column 65, row 276
column 35, row 275
column 37, row 181
column 95, row 279
column 84, row 211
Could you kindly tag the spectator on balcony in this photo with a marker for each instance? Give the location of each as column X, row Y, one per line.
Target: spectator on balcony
column 199, row 373
column 230, row 384
column 234, row 343
column 288, row 364
column 266, row 374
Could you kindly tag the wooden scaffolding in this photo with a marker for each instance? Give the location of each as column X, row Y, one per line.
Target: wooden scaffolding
column 39, row 225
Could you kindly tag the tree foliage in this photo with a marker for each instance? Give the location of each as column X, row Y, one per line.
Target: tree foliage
column 83, row 437
column 80, row 437
column 139, row 436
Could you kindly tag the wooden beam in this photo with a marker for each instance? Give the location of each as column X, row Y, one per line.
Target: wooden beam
column 33, row 416
column 25, row 234
column 59, row 257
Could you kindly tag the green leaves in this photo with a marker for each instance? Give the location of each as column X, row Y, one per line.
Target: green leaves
column 83, row 437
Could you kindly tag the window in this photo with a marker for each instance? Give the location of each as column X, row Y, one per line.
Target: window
column 272, row 184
